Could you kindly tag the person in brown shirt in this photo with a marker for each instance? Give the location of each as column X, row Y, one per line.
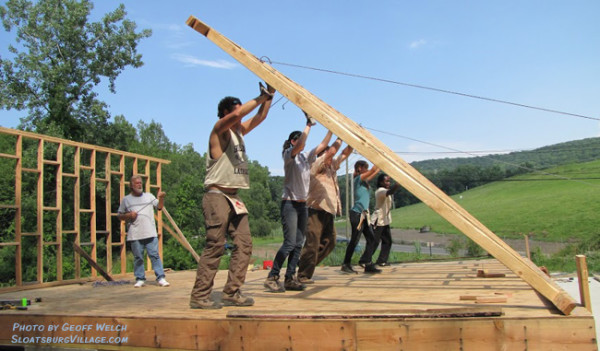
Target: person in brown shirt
column 323, row 204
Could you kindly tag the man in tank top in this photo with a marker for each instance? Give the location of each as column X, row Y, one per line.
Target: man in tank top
column 224, row 212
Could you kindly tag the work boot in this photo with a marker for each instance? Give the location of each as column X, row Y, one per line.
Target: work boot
column 346, row 268
column 305, row 280
column 205, row 304
column 273, row 285
column 237, row 299
column 370, row 268
column 293, row 284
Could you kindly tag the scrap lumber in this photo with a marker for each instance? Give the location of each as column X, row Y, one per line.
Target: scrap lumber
column 179, row 235
column 389, row 162
column 483, row 273
column 582, row 278
column 92, row 263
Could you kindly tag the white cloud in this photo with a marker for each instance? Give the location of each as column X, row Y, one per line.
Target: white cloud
column 417, row 44
column 191, row 61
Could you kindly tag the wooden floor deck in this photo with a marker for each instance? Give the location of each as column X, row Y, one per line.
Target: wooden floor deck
column 414, row 306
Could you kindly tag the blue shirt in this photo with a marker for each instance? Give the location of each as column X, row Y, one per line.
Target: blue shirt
column 361, row 195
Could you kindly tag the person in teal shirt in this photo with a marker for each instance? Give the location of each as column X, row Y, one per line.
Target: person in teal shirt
column 359, row 219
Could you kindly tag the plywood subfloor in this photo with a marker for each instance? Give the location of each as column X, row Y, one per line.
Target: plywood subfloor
column 335, row 301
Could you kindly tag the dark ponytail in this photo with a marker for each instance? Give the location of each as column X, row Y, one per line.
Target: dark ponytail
column 293, row 136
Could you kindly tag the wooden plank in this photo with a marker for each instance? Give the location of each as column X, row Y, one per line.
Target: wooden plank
column 18, row 194
column 179, row 235
column 59, row 215
column 381, row 155
column 40, row 211
column 107, row 210
column 92, row 262
column 76, row 204
column 584, row 286
column 368, row 314
column 92, row 204
column 30, row 135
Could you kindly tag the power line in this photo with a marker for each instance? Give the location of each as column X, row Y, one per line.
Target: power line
column 437, row 90
column 488, row 157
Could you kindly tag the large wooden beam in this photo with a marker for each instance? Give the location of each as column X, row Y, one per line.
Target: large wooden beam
column 381, row 155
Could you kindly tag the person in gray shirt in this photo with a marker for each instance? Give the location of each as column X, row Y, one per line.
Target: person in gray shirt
column 294, row 212
column 137, row 209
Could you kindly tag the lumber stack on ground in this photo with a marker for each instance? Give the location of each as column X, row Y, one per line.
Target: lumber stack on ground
column 381, row 155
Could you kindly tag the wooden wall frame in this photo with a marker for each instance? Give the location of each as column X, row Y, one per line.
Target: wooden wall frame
column 398, row 169
column 94, row 172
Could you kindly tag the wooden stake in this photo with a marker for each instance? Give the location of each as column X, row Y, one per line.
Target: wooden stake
column 389, row 162
column 584, row 286
column 527, row 250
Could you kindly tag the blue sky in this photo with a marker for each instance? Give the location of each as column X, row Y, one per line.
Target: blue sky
column 538, row 53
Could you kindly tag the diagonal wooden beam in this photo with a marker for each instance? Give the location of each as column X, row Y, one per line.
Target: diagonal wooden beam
column 378, row 153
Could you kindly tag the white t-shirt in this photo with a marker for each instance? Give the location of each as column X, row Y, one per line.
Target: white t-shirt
column 144, row 226
column 383, row 208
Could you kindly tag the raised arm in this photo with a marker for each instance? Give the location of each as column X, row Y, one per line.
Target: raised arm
column 392, row 190
column 263, row 110
column 301, row 142
column 333, row 149
column 370, row 174
column 345, row 153
column 324, row 143
column 233, row 117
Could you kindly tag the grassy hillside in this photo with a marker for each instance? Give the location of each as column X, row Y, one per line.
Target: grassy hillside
column 584, row 150
column 548, row 207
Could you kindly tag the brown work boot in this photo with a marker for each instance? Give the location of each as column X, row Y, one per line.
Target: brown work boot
column 273, row 285
column 305, row 280
column 293, row 284
column 205, row 304
column 237, row 299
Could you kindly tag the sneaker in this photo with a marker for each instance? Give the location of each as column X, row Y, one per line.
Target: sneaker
column 293, row 284
column 384, row 264
column 370, row 268
column 273, row 285
column 305, row 280
column 163, row 282
column 346, row 268
column 237, row 299
column 205, row 304
column 139, row 284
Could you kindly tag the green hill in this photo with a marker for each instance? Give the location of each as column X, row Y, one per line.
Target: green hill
column 584, row 150
column 560, row 205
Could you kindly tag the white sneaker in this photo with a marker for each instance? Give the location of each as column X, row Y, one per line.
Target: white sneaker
column 139, row 284
column 162, row 282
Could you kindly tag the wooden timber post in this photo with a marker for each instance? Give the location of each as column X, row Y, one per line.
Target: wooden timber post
column 398, row 169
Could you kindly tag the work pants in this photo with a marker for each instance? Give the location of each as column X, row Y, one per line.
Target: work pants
column 220, row 221
column 320, row 241
column 293, row 218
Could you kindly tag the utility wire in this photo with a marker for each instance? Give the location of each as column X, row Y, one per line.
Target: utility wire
column 437, row 90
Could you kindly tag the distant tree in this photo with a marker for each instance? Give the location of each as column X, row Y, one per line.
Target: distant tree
column 58, row 60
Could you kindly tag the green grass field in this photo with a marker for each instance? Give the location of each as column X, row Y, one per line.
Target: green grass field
column 547, row 206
